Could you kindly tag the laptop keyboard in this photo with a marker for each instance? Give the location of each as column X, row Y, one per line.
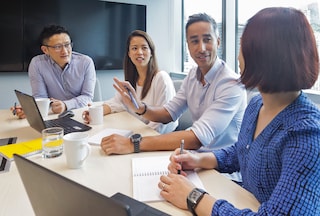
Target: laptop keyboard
column 69, row 125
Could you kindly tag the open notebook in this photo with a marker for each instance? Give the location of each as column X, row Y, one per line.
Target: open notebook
column 146, row 172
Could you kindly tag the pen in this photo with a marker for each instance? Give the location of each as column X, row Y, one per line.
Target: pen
column 14, row 111
column 132, row 98
column 181, row 152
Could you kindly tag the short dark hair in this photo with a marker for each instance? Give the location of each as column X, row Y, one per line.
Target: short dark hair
column 279, row 50
column 203, row 17
column 50, row 30
column 130, row 70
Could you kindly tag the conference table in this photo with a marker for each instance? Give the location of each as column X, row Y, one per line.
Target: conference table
column 102, row 173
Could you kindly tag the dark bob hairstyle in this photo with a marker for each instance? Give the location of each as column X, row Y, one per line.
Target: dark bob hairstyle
column 279, row 50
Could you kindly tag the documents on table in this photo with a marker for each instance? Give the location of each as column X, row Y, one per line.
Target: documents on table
column 25, row 149
column 146, row 172
column 96, row 139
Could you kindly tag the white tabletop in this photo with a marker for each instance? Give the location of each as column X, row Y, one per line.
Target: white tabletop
column 105, row 174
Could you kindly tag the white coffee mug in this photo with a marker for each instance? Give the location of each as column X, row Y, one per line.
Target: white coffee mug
column 43, row 105
column 76, row 149
column 96, row 114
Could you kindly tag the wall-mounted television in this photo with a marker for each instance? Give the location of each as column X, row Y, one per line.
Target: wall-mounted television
column 97, row 28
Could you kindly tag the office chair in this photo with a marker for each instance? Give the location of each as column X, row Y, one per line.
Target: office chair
column 97, row 95
column 185, row 120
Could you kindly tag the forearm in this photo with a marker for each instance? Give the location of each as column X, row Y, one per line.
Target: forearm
column 78, row 102
column 205, row 205
column 170, row 141
column 207, row 161
column 156, row 114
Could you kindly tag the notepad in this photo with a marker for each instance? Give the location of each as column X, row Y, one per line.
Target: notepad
column 96, row 139
column 4, row 164
column 146, row 172
column 25, row 149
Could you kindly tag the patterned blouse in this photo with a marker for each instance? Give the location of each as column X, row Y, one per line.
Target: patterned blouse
column 281, row 167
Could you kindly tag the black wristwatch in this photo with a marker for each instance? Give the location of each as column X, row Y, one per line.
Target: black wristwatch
column 194, row 198
column 136, row 139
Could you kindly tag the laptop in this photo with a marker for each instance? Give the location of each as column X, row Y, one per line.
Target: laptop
column 35, row 120
column 53, row 194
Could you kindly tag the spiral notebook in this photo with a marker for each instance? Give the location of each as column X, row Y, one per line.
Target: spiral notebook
column 146, row 172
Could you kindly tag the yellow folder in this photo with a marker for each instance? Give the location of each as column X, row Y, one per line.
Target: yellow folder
column 25, row 149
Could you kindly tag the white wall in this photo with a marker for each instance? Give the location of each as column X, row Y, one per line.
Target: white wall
column 163, row 25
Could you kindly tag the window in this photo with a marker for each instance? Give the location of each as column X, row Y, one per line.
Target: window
column 212, row 8
column 247, row 8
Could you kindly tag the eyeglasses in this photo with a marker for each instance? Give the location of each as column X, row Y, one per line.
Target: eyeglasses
column 58, row 47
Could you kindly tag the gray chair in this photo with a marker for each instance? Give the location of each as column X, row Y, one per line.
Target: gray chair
column 185, row 120
column 97, row 95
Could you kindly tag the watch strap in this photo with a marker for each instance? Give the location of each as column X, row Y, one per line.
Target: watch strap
column 192, row 205
column 145, row 109
column 136, row 139
column 136, row 146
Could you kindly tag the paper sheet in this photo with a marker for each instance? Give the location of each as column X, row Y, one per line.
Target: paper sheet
column 96, row 139
column 146, row 173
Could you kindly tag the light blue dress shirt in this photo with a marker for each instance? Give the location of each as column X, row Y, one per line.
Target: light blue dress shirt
column 74, row 85
column 216, row 108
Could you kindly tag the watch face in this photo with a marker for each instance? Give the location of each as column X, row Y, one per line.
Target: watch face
column 193, row 197
column 136, row 136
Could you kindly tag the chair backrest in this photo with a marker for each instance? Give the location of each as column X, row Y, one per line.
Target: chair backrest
column 97, row 96
column 185, row 120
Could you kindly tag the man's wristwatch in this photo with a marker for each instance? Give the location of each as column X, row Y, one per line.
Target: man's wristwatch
column 194, row 198
column 136, row 139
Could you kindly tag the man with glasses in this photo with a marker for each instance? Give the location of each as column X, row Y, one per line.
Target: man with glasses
column 66, row 77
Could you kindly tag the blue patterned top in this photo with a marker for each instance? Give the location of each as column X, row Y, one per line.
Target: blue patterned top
column 281, row 167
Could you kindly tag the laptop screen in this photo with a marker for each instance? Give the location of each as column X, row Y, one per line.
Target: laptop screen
column 51, row 194
column 31, row 110
column 35, row 120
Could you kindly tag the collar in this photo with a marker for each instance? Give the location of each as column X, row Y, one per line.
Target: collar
column 52, row 62
column 210, row 75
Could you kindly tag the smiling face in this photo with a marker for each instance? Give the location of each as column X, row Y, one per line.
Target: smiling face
column 62, row 56
column 203, row 44
column 139, row 52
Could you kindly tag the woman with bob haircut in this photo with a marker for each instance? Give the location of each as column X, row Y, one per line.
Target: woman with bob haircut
column 278, row 146
column 153, row 86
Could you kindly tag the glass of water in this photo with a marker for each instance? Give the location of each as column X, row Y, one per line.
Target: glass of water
column 52, row 142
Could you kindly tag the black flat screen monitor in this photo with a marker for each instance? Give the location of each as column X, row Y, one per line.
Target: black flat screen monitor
column 97, row 28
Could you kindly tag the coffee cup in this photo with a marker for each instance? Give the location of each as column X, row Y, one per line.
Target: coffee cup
column 43, row 105
column 76, row 149
column 96, row 114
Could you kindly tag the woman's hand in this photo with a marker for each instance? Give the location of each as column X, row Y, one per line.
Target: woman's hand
column 124, row 87
column 175, row 189
column 184, row 161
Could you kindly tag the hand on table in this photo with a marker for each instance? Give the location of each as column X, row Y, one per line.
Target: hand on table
column 116, row 144
column 175, row 189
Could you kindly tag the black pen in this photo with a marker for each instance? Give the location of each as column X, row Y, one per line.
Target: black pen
column 132, row 98
column 14, row 111
column 181, row 152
